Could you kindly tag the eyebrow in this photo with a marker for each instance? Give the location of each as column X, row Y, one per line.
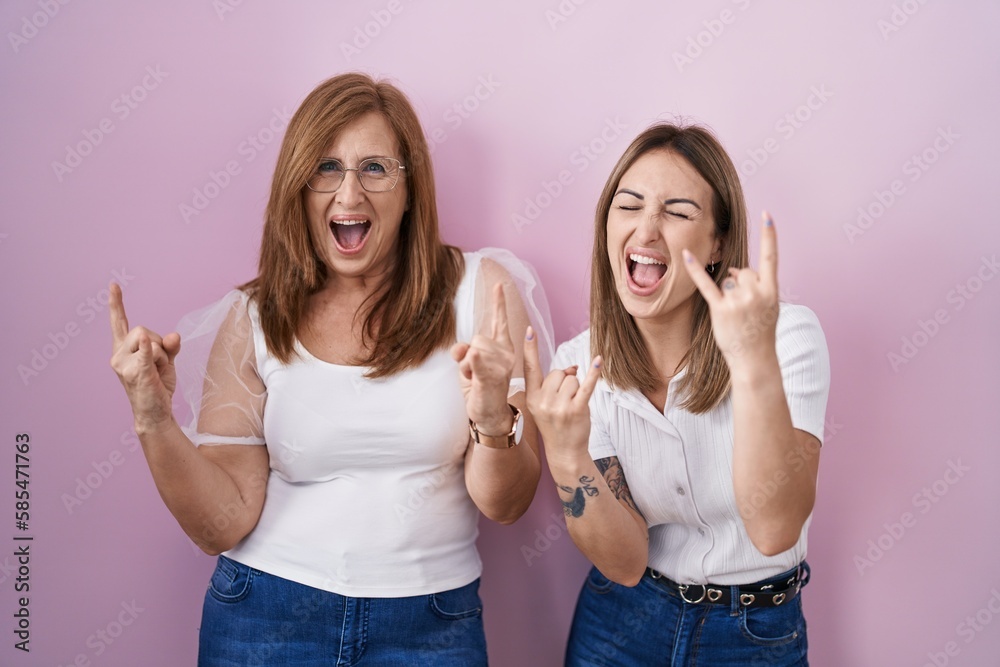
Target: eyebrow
column 668, row 202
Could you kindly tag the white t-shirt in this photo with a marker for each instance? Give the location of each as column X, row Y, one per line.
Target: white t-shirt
column 366, row 495
column 679, row 465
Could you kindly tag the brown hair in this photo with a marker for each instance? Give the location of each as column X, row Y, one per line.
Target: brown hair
column 614, row 334
column 413, row 314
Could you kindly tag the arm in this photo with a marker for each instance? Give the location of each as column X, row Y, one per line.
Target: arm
column 601, row 515
column 215, row 493
column 500, row 480
column 774, row 465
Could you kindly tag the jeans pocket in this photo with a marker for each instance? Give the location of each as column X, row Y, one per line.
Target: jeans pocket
column 598, row 583
column 458, row 603
column 231, row 581
column 773, row 626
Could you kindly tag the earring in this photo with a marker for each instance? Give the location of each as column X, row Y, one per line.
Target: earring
column 711, row 268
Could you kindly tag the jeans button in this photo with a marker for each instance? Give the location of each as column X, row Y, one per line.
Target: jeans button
column 680, row 490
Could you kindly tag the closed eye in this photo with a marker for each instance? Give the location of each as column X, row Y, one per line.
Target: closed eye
column 630, row 208
column 679, row 215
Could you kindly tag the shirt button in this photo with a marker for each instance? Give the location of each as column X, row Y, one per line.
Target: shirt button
column 680, row 490
column 701, row 531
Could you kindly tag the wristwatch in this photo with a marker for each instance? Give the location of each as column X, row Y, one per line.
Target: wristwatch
column 513, row 438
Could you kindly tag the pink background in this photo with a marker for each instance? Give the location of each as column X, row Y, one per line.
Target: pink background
column 883, row 593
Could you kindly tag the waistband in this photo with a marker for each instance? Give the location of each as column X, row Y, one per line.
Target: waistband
column 772, row 592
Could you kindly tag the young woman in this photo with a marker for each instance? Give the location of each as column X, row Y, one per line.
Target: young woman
column 683, row 429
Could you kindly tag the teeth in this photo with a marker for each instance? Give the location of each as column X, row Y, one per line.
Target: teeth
column 642, row 259
column 349, row 222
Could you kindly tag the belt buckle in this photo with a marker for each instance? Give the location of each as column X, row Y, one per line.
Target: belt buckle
column 682, row 589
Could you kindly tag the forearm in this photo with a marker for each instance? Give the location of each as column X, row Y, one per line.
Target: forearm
column 773, row 494
column 611, row 536
column 203, row 498
column 502, row 481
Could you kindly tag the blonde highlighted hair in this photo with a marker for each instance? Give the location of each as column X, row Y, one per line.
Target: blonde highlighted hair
column 413, row 314
column 613, row 332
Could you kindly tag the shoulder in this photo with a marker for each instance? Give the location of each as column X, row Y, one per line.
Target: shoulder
column 493, row 264
column 798, row 322
column 800, row 341
column 574, row 352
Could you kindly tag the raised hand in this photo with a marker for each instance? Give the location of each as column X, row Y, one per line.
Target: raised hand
column 485, row 366
column 745, row 311
column 559, row 404
column 144, row 363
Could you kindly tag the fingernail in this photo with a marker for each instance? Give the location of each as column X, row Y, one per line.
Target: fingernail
column 768, row 222
column 597, row 362
column 688, row 257
column 529, row 334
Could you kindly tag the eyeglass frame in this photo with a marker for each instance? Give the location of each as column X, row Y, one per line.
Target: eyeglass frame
column 319, row 161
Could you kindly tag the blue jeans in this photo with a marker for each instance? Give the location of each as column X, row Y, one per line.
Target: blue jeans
column 251, row 618
column 651, row 625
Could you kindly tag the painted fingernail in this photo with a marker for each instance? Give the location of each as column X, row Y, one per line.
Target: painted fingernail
column 529, row 334
column 688, row 257
column 768, row 222
column 598, row 361
column 729, row 284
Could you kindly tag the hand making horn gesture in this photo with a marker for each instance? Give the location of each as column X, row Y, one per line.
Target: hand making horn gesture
column 745, row 310
column 559, row 403
column 485, row 367
column 144, row 363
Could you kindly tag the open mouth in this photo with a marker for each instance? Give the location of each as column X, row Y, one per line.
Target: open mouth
column 350, row 235
column 645, row 272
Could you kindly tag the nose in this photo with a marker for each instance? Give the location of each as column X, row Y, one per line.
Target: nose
column 648, row 230
column 350, row 193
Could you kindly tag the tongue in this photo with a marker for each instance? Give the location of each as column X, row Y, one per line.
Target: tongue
column 647, row 275
column 350, row 236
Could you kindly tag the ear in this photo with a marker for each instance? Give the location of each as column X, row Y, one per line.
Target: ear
column 717, row 250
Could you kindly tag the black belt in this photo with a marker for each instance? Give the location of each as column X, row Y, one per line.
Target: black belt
column 772, row 594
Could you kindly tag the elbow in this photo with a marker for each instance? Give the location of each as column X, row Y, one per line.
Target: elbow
column 779, row 540
column 630, row 579
column 505, row 516
column 211, row 550
column 772, row 547
column 218, row 544
column 772, row 535
column 628, row 576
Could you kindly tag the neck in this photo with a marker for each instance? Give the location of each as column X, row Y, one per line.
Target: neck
column 668, row 339
column 355, row 287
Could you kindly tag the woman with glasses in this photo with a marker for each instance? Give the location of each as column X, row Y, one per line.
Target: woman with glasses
column 355, row 407
column 683, row 428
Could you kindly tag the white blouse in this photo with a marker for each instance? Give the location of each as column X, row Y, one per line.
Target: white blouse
column 366, row 494
column 679, row 465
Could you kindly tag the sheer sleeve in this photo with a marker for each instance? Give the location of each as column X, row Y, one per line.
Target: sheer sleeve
column 220, row 396
column 526, row 304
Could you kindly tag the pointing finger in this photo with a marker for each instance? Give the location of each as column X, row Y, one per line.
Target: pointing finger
column 532, row 370
column 768, row 252
column 500, row 331
column 116, row 310
column 701, row 279
column 589, row 382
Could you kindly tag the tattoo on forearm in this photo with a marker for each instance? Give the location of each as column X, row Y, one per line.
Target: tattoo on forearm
column 574, row 507
column 611, row 470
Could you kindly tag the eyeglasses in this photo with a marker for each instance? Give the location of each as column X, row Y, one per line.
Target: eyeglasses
column 376, row 174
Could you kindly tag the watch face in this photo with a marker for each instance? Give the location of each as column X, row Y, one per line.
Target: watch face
column 518, row 427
